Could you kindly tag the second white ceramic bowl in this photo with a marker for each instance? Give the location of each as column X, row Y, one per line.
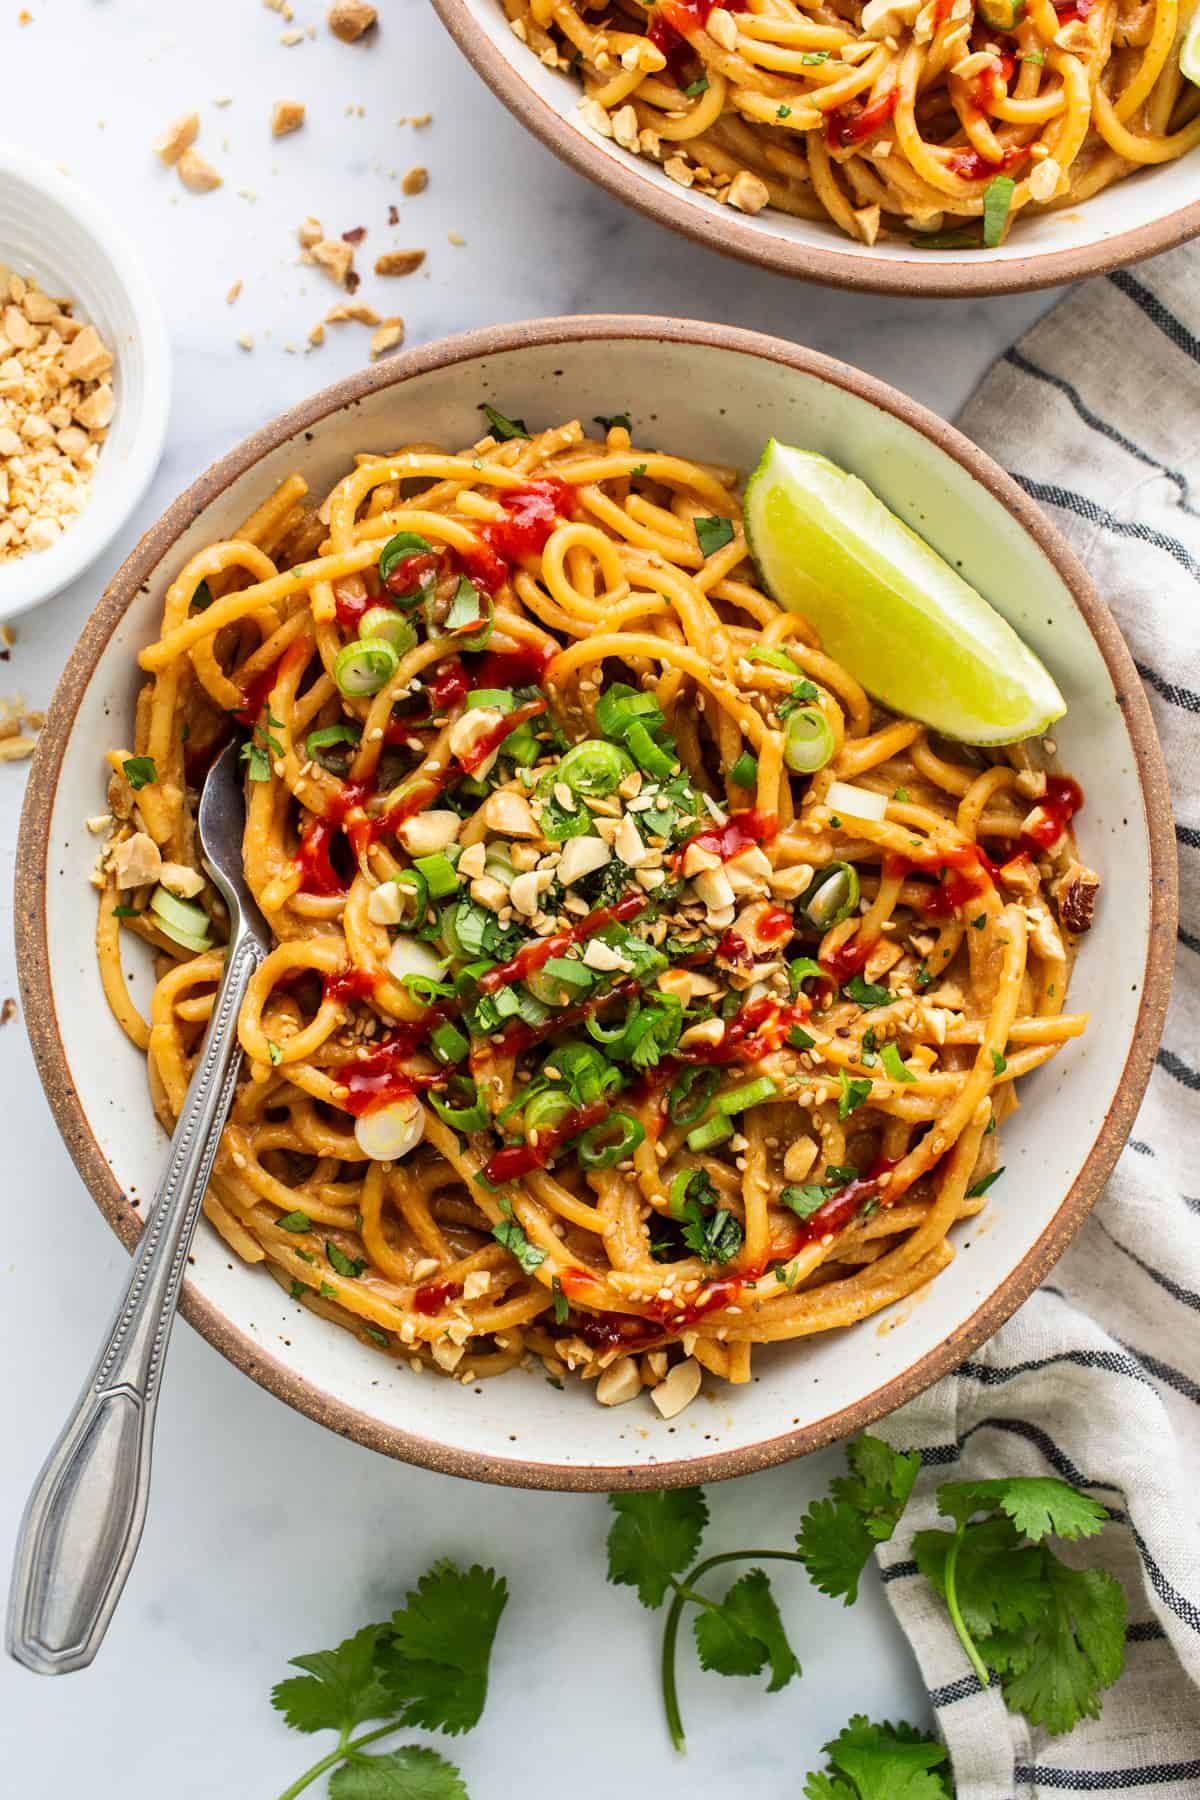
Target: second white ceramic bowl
column 715, row 394
column 53, row 229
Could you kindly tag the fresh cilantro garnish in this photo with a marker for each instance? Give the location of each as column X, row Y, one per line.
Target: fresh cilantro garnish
column 503, row 428
column 881, row 1762
column 800, row 693
column 804, row 1197
column 783, row 112
column 894, row 1065
column 328, row 1291
column 621, row 419
column 1055, row 1635
column 126, row 912
column 713, row 534
column 202, row 597
column 999, row 1063
column 637, row 469
column 257, row 752
column 716, row 1237
column 349, row 1266
column 814, row 57
column 984, row 1183
column 295, row 1221
column 274, row 1052
column 562, row 1306
column 979, row 923
column 696, row 87
column 837, row 1535
column 298, row 1289
column 510, row 1234
column 851, row 1094
column 652, row 1541
column 427, row 1666
column 867, row 993
column 997, row 200
column 139, row 771
column 900, row 794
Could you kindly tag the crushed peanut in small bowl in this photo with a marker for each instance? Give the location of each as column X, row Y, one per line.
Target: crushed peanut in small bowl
column 56, row 405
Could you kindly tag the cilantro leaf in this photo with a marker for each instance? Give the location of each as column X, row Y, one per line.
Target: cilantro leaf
column 342, row 1688
column 139, row 771
column 713, row 534
column 882, row 1762
column 510, row 1234
column 1054, row 1668
column 653, row 1538
column 999, row 1580
column 851, row 1094
column 436, row 1663
column 837, row 1535
column 745, row 1633
column 716, row 1237
column 621, row 419
column 349, row 1266
column 867, row 993
column 503, row 428
column 412, row 1773
column 1038, row 1505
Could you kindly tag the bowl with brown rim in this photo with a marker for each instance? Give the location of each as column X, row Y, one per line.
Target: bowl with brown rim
column 1151, row 211
column 1077, row 1109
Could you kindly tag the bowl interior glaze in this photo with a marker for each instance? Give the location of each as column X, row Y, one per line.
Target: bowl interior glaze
column 716, row 394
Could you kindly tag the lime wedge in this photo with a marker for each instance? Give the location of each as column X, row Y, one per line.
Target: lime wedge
column 1189, row 53
column 917, row 636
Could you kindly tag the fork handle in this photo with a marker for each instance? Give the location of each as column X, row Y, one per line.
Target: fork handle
column 84, row 1518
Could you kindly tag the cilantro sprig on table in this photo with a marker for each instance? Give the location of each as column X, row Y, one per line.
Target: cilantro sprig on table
column 427, row 1666
column 881, row 1762
column 1055, row 1635
column 656, row 1536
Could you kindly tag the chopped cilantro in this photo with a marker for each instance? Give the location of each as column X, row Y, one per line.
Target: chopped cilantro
column 139, row 771
column 851, row 1093
column 713, row 534
column 503, row 428
column 984, row 1183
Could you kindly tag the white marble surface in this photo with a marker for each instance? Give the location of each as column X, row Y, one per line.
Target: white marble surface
column 268, row 1536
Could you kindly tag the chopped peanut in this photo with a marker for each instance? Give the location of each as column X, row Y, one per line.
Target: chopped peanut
column 349, row 19
column 399, row 262
column 198, row 176
column 286, row 115
column 179, row 136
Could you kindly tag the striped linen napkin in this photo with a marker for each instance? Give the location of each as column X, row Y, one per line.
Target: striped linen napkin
column 1097, row 1377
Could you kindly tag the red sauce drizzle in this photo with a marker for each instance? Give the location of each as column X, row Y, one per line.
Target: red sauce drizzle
column 350, row 606
column 849, row 959
column 733, row 948
column 409, row 574
column 615, row 1331
column 516, row 1160
column 318, row 875
column 431, row 1299
column 351, row 984
column 533, row 511
column 379, row 1076
column 255, row 694
column 847, row 126
column 755, row 1031
column 775, row 923
column 449, row 686
column 987, row 86
column 537, row 954
column 967, row 869
column 518, row 1036
column 1057, row 807
column 670, row 22
column 524, row 667
column 739, row 832
column 972, row 165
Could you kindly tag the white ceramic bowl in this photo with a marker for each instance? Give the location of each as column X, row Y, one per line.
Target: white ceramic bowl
column 53, row 229
column 1150, row 212
column 1058, row 1148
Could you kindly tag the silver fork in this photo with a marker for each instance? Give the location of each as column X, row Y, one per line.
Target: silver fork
column 84, row 1518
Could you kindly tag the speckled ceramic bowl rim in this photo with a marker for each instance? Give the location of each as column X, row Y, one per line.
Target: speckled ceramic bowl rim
column 34, row 960
column 739, row 236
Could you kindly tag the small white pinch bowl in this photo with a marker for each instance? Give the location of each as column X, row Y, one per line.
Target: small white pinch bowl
column 717, row 394
column 53, row 229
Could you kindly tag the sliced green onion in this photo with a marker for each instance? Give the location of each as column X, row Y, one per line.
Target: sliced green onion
column 808, row 741
column 680, row 1192
column 689, row 1097
column 502, row 699
column 713, row 1131
column 997, row 199
column 620, row 705
column 585, row 1071
column 560, row 822
column 546, row 1110
column 439, row 874
column 324, row 738
column 894, row 1064
column 385, row 623
column 753, row 1093
column 744, row 772
column 449, row 1044
column 181, row 921
column 593, row 767
column 416, row 890
column 425, row 989
column 983, row 1184
column 560, row 973
column 647, row 754
column 608, row 1143
column 405, row 543
column 778, row 659
column 364, row 667
column 472, row 1115
column 831, row 896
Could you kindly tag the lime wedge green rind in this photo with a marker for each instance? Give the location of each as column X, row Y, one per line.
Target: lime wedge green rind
column 1189, row 53
column 920, row 639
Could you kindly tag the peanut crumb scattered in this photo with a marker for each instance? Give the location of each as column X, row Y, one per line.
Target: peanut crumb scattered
column 179, row 136
column 245, row 341
column 233, row 293
column 455, row 238
column 358, row 313
column 316, row 336
column 350, row 19
column 416, row 181
column 399, row 262
column 310, row 232
column 290, row 38
column 389, row 337
column 198, row 176
column 286, row 115
column 336, row 257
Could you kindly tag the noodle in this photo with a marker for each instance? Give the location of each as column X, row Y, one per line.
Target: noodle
column 591, row 1031
column 893, row 116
